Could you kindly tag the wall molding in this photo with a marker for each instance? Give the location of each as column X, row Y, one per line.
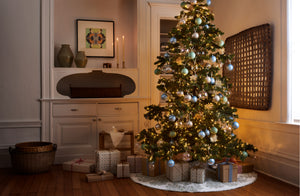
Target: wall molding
column 20, row 124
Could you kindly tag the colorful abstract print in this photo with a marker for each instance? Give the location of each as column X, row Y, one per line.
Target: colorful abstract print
column 95, row 38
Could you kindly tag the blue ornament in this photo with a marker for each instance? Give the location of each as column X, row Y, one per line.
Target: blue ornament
column 212, row 81
column 173, row 40
column 207, row 132
column 171, row 163
column 245, row 154
column 198, row 21
column 235, row 125
column 224, row 100
column 194, row 99
column 172, row 118
column 232, row 134
column 201, row 134
column 213, row 58
column 164, row 96
column 214, row 130
column 166, row 55
column 192, row 55
column 206, row 26
column 208, row 2
column 211, row 161
column 230, row 67
column 184, row 71
column 230, row 118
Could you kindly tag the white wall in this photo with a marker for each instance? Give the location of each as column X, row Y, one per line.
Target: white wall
column 278, row 143
column 19, row 73
column 123, row 12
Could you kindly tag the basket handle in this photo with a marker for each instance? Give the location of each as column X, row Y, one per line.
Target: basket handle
column 54, row 147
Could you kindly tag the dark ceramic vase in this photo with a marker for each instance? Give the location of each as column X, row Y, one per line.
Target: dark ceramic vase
column 65, row 56
column 80, row 59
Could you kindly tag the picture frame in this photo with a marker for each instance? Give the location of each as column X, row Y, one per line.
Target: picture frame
column 96, row 38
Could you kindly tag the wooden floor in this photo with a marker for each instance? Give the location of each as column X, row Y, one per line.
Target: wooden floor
column 59, row 182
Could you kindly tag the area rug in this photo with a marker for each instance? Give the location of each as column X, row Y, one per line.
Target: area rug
column 211, row 184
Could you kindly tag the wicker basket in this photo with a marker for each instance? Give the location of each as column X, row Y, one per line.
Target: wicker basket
column 34, row 147
column 32, row 162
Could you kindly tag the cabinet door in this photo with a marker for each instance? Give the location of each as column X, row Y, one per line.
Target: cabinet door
column 75, row 138
column 126, row 123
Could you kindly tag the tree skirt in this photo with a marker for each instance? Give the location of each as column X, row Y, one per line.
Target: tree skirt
column 211, row 184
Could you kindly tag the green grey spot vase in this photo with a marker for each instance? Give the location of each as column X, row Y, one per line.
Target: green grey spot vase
column 80, row 59
column 65, row 56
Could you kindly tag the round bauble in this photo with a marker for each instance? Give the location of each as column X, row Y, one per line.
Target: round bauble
column 211, row 161
column 204, row 95
column 189, row 123
column 172, row 134
column 208, row 66
column 172, row 118
column 213, row 58
column 171, row 163
column 180, row 93
column 214, row 130
column 201, row 134
column 212, row 81
column 216, row 98
column 208, row 2
column 184, row 71
column 195, row 35
column 168, row 69
column 182, row 21
column 206, row 26
column 192, row 55
column 198, row 21
column 187, row 97
column 186, row 156
column 224, row 100
column 207, row 132
column 245, row 154
column 232, row 134
column 157, row 126
column 194, row 99
column 229, row 67
column 164, row 96
column 173, row 40
column 193, row 1
column 235, row 125
column 157, row 71
column 208, row 79
column 221, row 43
column 166, row 55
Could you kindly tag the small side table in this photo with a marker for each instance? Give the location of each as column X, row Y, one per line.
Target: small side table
column 102, row 142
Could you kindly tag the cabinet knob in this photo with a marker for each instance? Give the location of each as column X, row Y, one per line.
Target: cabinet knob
column 94, row 120
column 74, row 109
column 118, row 108
column 99, row 119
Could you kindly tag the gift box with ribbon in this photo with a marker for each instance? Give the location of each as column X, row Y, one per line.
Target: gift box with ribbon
column 153, row 168
column 107, row 160
column 179, row 172
column 227, row 172
column 245, row 167
column 197, row 174
column 80, row 165
column 135, row 163
column 99, row 177
column 123, row 170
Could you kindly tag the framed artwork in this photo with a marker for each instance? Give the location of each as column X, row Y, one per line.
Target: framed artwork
column 96, row 38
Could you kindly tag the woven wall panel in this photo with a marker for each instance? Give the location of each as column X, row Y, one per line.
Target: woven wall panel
column 251, row 77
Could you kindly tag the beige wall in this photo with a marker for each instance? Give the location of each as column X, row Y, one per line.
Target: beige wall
column 278, row 143
column 123, row 12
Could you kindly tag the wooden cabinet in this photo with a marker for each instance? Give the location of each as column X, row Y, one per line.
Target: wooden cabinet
column 76, row 126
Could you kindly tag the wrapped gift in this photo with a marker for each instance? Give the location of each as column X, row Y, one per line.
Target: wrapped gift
column 227, row 172
column 107, row 160
column 179, row 172
column 135, row 163
column 80, row 165
column 123, row 170
column 153, row 170
column 245, row 167
column 197, row 174
column 99, row 177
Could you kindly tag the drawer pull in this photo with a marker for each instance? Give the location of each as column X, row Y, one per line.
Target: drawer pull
column 74, row 110
column 99, row 119
column 118, row 108
column 94, row 120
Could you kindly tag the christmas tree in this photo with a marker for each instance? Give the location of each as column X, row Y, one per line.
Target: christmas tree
column 196, row 121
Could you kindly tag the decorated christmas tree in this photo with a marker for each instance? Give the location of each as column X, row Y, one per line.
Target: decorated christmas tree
column 196, row 121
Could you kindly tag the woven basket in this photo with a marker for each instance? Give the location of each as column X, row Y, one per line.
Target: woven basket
column 34, row 147
column 32, row 162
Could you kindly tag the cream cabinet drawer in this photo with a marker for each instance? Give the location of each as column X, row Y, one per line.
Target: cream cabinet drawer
column 117, row 109
column 74, row 110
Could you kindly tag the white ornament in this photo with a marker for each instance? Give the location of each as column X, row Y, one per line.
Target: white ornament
column 180, row 93
column 216, row 98
column 195, row 35
column 187, row 97
column 207, row 79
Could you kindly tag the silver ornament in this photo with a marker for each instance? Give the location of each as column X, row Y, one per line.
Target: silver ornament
column 195, row 35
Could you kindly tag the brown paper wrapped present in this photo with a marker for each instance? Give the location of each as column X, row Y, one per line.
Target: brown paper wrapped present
column 227, row 172
column 123, row 170
column 157, row 169
column 197, row 174
column 107, row 160
column 179, row 172
column 245, row 167
column 80, row 165
column 99, row 177
column 135, row 163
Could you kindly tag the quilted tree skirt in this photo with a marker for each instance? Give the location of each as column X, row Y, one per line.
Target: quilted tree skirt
column 211, row 184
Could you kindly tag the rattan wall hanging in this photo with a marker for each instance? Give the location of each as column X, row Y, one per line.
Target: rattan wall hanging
column 251, row 77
